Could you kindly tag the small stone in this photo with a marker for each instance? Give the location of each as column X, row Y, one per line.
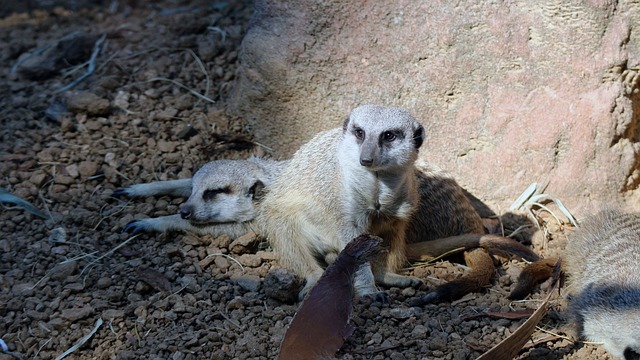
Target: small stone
column 282, row 285
column 75, row 287
column 248, row 282
column 72, row 170
column 103, row 282
column 88, row 168
column 76, row 314
column 250, row 260
column 419, row 332
column 87, row 102
column 236, row 303
column 166, row 114
column 401, row 313
column 113, row 313
column 167, row 146
column 25, row 289
column 184, row 102
column 57, row 324
column 5, row 246
column 245, row 243
column 38, row 178
column 62, row 271
column 187, row 132
column 171, row 316
column 221, row 262
column 110, row 159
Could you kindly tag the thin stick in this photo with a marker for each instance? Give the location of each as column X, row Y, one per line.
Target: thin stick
column 92, row 66
column 204, row 71
column 193, row 92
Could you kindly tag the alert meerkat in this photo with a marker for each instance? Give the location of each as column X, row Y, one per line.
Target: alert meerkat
column 223, row 197
column 602, row 259
column 343, row 183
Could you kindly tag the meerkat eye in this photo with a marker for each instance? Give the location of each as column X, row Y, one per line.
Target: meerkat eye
column 359, row 133
column 388, row 136
column 210, row 194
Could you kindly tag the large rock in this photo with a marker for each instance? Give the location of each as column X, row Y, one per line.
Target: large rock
column 510, row 92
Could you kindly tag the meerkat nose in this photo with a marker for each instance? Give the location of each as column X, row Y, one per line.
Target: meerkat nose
column 366, row 162
column 185, row 212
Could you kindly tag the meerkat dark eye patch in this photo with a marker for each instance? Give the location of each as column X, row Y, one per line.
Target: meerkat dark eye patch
column 388, row 136
column 210, row 194
column 255, row 191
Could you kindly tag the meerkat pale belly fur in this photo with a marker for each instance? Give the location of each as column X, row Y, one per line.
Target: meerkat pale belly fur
column 603, row 260
column 343, row 183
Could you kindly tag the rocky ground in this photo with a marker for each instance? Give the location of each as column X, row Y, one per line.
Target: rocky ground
column 153, row 109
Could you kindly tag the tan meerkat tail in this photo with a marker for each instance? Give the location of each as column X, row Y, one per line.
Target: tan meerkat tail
column 482, row 271
column 426, row 250
column 533, row 274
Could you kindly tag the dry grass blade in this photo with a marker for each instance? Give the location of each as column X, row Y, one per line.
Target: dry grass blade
column 180, row 85
column 82, row 341
column 530, row 198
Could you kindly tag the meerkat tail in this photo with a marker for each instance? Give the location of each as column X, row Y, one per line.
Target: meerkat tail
column 496, row 244
column 482, row 271
column 531, row 275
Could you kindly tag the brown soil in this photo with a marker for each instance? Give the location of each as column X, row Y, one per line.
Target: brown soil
column 171, row 296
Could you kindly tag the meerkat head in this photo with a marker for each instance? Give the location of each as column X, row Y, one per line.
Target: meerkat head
column 224, row 191
column 384, row 138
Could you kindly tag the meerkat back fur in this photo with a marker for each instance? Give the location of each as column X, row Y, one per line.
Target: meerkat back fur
column 602, row 259
column 345, row 182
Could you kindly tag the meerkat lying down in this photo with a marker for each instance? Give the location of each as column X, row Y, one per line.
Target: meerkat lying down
column 602, row 260
column 444, row 218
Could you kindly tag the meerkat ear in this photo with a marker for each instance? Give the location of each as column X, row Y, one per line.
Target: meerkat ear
column 345, row 124
column 418, row 136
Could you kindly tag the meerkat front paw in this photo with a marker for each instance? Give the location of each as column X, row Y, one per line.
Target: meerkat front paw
column 397, row 280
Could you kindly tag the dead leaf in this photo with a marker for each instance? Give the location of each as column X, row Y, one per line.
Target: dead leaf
column 508, row 348
column 320, row 326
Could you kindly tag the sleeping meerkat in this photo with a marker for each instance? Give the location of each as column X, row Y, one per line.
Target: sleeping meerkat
column 223, row 197
column 602, row 260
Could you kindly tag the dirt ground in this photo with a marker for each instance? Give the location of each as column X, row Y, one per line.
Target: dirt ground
column 153, row 109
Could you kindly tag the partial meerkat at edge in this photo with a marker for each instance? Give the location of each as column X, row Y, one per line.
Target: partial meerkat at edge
column 602, row 259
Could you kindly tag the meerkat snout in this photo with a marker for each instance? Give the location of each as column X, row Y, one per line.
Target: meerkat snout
column 186, row 211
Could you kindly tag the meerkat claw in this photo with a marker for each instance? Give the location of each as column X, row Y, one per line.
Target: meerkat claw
column 133, row 227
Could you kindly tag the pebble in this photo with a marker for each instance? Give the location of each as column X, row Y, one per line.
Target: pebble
column 88, row 168
column 250, row 260
column 87, row 102
column 244, row 243
column 166, row 114
column 113, row 314
column 24, row 289
column 75, row 314
column 167, row 146
column 62, row 271
column 5, row 247
column 248, row 282
column 282, row 285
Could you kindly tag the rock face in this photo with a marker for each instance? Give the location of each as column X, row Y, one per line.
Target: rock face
column 509, row 92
